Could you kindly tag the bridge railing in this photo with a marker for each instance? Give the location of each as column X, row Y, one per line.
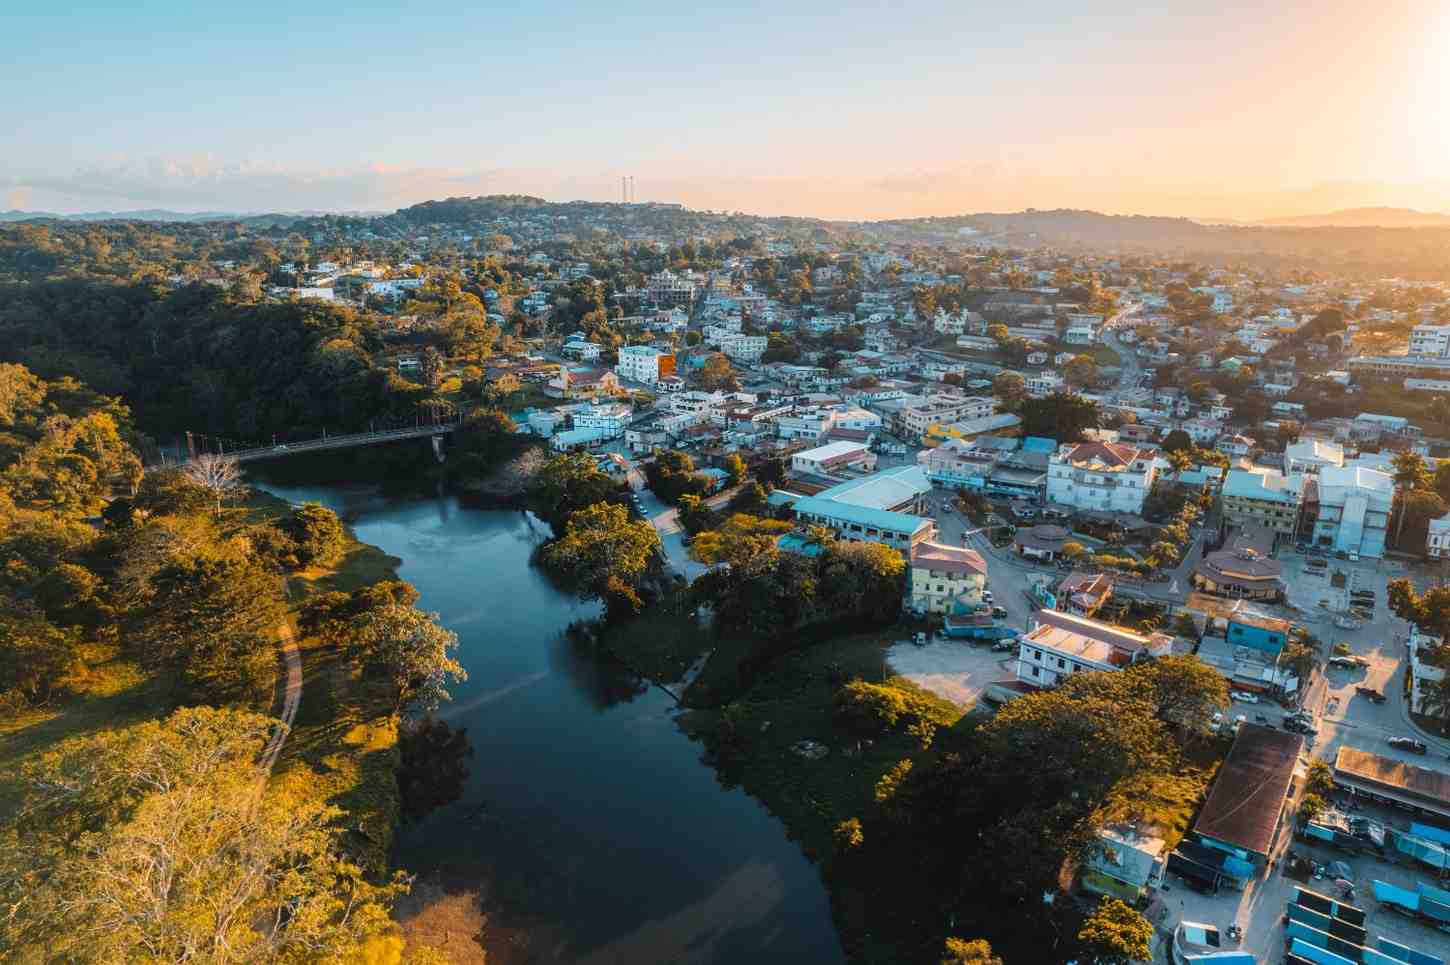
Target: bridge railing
column 339, row 442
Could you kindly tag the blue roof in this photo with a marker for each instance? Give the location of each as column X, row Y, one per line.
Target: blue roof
column 1039, row 444
column 861, row 515
column 1253, row 485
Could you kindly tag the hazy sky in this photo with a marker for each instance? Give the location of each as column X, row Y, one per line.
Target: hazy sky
column 1225, row 108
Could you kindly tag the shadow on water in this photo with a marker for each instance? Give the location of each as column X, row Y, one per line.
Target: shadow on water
column 584, row 827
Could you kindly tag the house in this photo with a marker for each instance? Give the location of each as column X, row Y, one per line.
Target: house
column 1101, row 475
column 1241, row 572
column 945, row 577
column 1084, row 593
column 1036, row 358
column 576, row 346
column 1126, row 861
column 1043, row 542
column 1423, row 670
column 1354, row 510
column 1243, row 644
column 1061, row 644
column 1236, row 445
column 886, row 507
column 610, row 417
column 745, row 349
column 1044, row 383
column 583, row 382
column 968, row 429
column 1249, row 803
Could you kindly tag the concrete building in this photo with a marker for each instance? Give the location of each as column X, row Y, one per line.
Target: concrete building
column 1430, row 340
column 833, row 457
column 1061, row 644
column 1262, row 498
column 644, row 363
column 745, row 349
column 1126, row 862
column 1437, row 540
column 1104, row 476
column 942, row 577
column 1354, row 510
column 1310, row 456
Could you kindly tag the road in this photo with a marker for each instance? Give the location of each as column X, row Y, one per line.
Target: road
column 291, row 698
column 666, row 521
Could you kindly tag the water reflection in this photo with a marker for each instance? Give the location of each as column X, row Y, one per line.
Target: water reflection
column 587, row 830
column 602, row 680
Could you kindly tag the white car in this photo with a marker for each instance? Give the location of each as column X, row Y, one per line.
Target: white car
column 1243, row 696
column 1216, row 724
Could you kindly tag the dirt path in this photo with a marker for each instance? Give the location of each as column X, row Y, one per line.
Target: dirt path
column 291, row 697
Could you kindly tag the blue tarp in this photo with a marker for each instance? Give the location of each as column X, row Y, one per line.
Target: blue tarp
column 1314, row 953
column 1426, row 851
column 1386, row 893
column 1404, row 954
column 1429, row 833
column 1221, row 958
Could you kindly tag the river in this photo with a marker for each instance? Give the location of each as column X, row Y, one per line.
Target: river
column 589, row 822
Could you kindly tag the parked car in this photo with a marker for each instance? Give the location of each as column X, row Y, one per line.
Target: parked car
column 1216, row 724
column 999, row 613
column 1243, row 696
column 1371, row 693
column 1004, row 645
column 1408, row 744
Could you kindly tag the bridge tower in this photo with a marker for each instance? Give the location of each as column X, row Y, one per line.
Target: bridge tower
column 438, row 452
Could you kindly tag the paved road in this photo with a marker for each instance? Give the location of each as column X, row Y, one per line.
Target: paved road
column 666, row 520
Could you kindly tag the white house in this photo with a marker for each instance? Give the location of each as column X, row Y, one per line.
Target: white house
column 833, row 456
column 745, row 349
column 578, row 347
column 1309, row 457
column 1105, row 476
column 1044, row 383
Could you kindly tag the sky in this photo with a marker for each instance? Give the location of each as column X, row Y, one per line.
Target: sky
column 1228, row 109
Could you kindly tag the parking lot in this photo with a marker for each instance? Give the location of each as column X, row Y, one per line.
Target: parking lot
column 957, row 670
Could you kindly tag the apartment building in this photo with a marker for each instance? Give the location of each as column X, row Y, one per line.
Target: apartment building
column 1262, row 497
column 1437, row 539
column 644, row 363
column 944, row 577
column 745, row 349
column 1106, row 476
column 1430, row 340
column 1044, row 383
column 1354, row 510
column 915, row 420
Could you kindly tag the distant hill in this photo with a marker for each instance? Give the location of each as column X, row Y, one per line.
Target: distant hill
column 1363, row 218
column 165, row 215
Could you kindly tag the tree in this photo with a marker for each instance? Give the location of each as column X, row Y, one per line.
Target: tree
column 717, row 374
column 1072, row 551
column 746, row 543
column 35, row 655
column 486, row 437
column 1182, row 690
column 411, row 651
column 1410, row 475
column 1429, row 611
column 601, row 543
column 961, row 952
column 1081, row 371
column 220, row 476
column 1011, row 388
column 211, row 619
column 318, row 533
column 735, row 466
column 1178, row 441
column 848, row 835
column 1059, row 416
column 153, row 841
column 1116, row 934
column 565, row 484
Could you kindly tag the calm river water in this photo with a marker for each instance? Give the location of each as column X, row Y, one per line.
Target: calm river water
column 588, row 816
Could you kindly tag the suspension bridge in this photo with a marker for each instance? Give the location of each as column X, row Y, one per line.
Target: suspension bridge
column 435, row 431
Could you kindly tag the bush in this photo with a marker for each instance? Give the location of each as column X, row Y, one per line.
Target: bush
column 318, row 533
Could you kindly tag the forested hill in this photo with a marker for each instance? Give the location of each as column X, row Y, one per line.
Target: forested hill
column 197, row 358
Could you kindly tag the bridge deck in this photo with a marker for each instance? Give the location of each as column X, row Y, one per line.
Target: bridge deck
column 340, row 442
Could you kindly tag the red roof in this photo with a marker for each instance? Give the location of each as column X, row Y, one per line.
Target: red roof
column 1108, row 453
